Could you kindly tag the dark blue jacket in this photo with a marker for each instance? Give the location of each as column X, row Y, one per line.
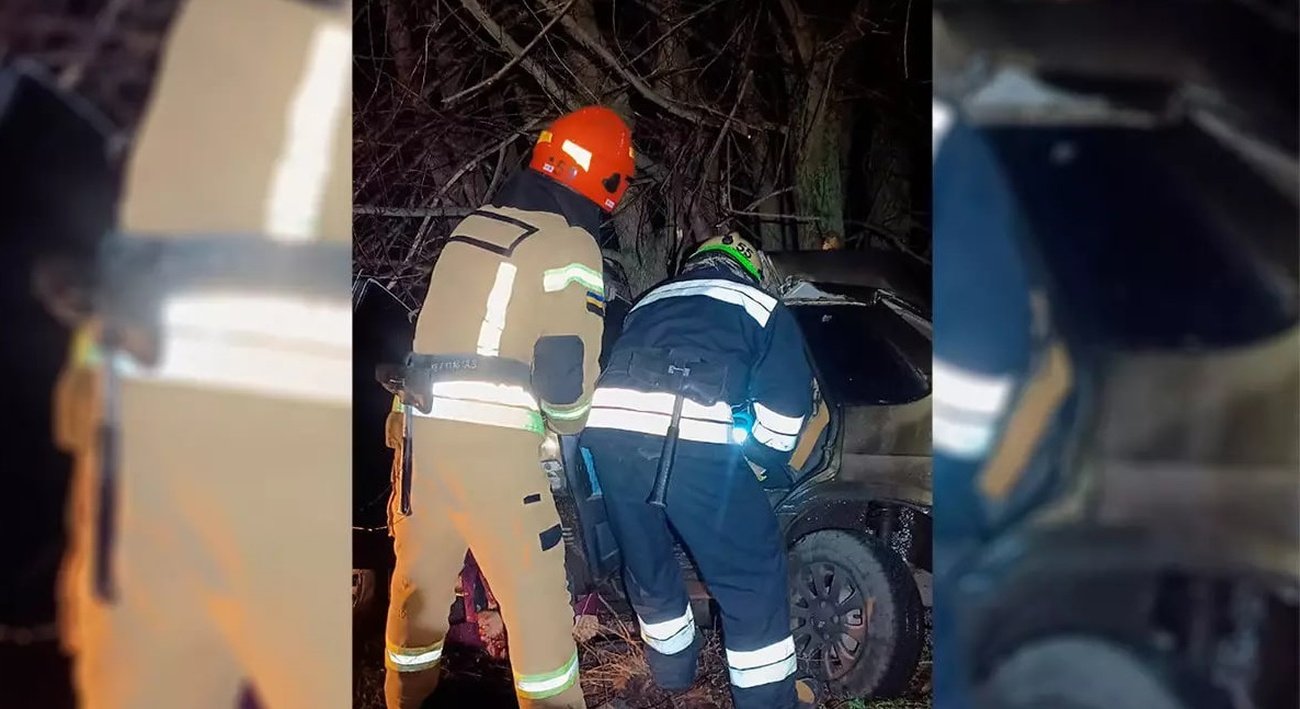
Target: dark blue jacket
column 712, row 311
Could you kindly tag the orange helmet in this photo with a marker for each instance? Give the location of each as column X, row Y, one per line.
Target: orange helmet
column 590, row 152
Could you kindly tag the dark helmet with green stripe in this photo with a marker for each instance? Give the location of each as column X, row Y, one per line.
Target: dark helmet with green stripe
column 732, row 248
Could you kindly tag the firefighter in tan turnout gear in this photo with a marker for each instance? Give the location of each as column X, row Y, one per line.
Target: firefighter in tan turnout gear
column 506, row 346
column 208, row 403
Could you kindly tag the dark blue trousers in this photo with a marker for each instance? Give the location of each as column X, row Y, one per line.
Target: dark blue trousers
column 724, row 519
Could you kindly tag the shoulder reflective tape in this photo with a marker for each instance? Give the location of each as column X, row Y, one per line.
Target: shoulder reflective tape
column 548, row 684
column 494, row 316
column 669, row 637
column 413, row 659
column 489, row 392
column 557, row 279
column 484, row 414
column 657, row 425
column 772, row 663
column 755, row 302
column 269, row 345
column 658, row 402
column 580, row 155
column 967, row 408
column 303, row 169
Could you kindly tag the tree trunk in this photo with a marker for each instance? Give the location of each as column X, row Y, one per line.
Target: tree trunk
column 818, row 166
column 889, row 222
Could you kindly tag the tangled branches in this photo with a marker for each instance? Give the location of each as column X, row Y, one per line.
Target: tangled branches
column 105, row 50
column 779, row 118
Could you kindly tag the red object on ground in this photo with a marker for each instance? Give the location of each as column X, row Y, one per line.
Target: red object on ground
column 477, row 599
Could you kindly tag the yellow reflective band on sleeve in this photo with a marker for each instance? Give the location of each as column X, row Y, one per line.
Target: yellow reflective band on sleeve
column 566, row 413
column 412, row 659
column 85, row 348
column 549, row 684
column 557, row 279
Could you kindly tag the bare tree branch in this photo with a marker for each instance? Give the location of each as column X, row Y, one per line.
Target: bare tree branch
column 523, row 131
column 762, row 216
column 548, row 84
column 104, row 28
column 451, row 100
column 684, row 112
column 764, row 198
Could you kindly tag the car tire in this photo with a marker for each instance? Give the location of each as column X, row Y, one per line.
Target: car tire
column 367, row 595
column 887, row 630
column 1063, row 672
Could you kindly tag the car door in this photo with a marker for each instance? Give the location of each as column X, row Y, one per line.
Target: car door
column 874, row 370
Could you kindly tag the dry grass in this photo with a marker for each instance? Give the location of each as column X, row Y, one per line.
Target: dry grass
column 614, row 668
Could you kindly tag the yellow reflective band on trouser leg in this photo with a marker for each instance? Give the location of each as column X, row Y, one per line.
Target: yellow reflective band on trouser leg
column 412, row 659
column 548, row 684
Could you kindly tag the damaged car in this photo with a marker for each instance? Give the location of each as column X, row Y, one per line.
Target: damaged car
column 857, row 518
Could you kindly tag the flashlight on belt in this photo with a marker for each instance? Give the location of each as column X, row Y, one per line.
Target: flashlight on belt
column 742, row 422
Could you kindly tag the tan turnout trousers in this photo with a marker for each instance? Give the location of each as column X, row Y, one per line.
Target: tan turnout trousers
column 511, row 285
column 226, row 554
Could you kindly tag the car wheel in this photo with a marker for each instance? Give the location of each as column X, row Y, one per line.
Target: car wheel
column 1064, row 673
column 365, row 593
column 855, row 614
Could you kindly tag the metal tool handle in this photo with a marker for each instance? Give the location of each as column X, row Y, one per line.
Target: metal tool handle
column 659, row 492
column 404, row 502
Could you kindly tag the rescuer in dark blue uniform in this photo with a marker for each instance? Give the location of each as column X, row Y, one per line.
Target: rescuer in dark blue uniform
column 983, row 344
column 733, row 349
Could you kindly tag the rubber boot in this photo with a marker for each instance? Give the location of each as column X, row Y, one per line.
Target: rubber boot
column 412, row 690
column 570, row 698
column 805, row 694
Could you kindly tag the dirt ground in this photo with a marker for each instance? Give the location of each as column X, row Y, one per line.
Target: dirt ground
column 613, row 667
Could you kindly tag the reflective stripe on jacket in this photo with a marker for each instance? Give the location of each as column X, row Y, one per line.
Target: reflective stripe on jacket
column 524, row 285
